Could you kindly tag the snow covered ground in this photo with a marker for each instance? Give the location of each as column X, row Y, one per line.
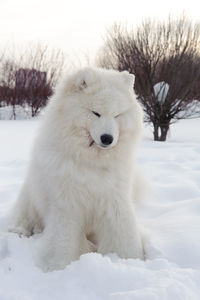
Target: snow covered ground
column 171, row 213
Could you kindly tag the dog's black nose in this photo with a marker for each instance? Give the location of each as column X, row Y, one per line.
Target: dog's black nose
column 106, row 139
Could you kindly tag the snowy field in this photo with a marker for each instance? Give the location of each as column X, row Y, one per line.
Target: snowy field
column 171, row 213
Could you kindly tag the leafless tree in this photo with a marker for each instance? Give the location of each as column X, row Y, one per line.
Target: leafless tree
column 38, row 74
column 165, row 58
column 7, row 85
column 32, row 88
column 29, row 78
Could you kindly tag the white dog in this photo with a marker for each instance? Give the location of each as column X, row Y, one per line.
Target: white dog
column 81, row 181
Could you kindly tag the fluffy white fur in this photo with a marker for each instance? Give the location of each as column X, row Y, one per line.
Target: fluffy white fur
column 78, row 191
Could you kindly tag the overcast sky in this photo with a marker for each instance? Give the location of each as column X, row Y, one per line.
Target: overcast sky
column 79, row 26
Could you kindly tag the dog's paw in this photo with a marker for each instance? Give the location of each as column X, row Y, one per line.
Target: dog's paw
column 48, row 264
column 20, row 231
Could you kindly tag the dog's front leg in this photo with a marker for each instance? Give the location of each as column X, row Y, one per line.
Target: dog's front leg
column 118, row 232
column 60, row 243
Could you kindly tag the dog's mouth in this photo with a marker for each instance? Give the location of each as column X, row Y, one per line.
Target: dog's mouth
column 91, row 143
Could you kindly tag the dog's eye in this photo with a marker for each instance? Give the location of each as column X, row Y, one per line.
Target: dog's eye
column 96, row 114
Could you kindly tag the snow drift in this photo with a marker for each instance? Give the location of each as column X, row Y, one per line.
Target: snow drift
column 172, row 268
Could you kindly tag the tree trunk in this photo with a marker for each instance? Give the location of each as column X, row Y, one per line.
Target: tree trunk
column 160, row 132
column 13, row 112
column 164, row 130
column 32, row 112
column 155, row 132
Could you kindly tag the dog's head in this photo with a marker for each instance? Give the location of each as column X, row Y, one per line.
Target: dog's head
column 101, row 107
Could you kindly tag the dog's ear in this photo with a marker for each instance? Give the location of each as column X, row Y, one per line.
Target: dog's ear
column 128, row 78
column 83, row 85
column 80, row 80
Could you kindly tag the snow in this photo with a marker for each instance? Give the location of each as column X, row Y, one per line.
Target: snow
column 172, row 216
column 161, row 90
column 22, row 113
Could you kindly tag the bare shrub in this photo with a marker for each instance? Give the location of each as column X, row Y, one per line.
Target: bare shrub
column 159, row 52
column 29, row 77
